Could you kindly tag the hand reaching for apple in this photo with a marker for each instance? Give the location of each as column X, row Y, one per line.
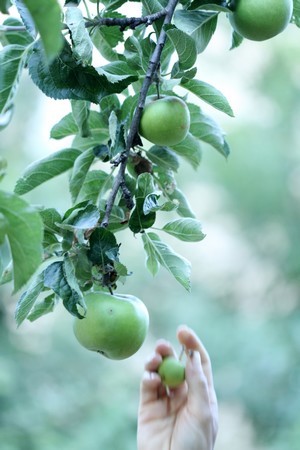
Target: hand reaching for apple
column 185, row 417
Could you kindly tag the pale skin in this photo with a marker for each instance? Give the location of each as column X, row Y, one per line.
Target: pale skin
column 186, row 418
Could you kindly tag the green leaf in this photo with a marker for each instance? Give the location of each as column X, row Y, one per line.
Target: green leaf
column 108, row 104
column 117, row 142
column 81, row 112
column 96, row 183
column 83, row 268
column 206, row 129
column 133, row 53
column 4, row 225
column 12, row 60
column 163, row 157
column 296, row 13
column 68, row 126
column 118, row 71
column 74, row 2
column 145, row 185
column 190, row 150
column 184, row 209
column 117, row 219
column 56, row 279
column 147, row 46
column 177, row 73
column 3, row 167
column 26, row 18
column 70, row 276
column 237, row 39
column 128, row 108
column 151, row 203
column 50, row 29
column 199, row 25
column 6, row 117
column 185, row 47
column 140, row 221
column 16, row 37
column 143, row 216
column 113, row 4
column 28, row 299
column 66, row 78
column 4, row 6
column 43, row 307
column 178, row 266
column 45, row 169
column 208, row 94
column 188, row 230
column 152, row 262
column 207, row 5
column 81, row 42
column 51, row 218
column 6, row 275
column 84, row 218
column 153, row 6
column 25, row 235
column 81, row 167
column 103, row 247
column 106, row 38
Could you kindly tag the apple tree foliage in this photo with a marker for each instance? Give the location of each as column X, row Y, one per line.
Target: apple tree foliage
column 116, row 181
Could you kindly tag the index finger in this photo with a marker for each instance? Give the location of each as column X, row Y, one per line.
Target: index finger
column 188, row 338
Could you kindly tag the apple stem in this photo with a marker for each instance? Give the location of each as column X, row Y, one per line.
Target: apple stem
column 168, row 392
column 183, row 349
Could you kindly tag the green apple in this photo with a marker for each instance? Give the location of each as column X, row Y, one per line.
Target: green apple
column 259, row 20
column 171, row 371
column 165, row 120
column 114, row 325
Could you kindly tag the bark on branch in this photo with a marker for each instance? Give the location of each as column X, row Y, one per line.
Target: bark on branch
column 126, row 22
column 134, row 128
column 122, row 22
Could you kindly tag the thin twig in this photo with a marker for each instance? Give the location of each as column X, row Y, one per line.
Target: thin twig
column 122, row 22
column 11, row 28
column 126, row 22
column 152, row 69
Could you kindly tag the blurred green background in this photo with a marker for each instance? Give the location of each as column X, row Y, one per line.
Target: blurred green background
column 246, row 275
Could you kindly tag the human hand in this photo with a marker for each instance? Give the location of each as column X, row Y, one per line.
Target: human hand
column 185, row 418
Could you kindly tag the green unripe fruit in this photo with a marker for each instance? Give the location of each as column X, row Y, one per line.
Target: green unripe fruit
column 259, row 20
column 165, row 120
column 171, row 371
column 114, row 325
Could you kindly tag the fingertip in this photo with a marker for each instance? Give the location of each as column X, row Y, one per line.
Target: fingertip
column 153, row 362
column 187, row 337
column 164, row 348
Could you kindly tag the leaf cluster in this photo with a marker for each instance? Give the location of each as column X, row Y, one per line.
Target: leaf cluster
column 133, row 184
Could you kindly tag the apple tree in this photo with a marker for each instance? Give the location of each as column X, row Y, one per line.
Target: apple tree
column 118, row 180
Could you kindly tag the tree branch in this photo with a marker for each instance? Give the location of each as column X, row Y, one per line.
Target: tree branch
column 11, row 28
column 122, row 22
column 126, row 22
column 134, row 128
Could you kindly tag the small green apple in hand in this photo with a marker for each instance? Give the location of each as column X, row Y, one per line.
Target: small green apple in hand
column 114, row 325
column 172, row 372
column 165, row 120
column 259, row 20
